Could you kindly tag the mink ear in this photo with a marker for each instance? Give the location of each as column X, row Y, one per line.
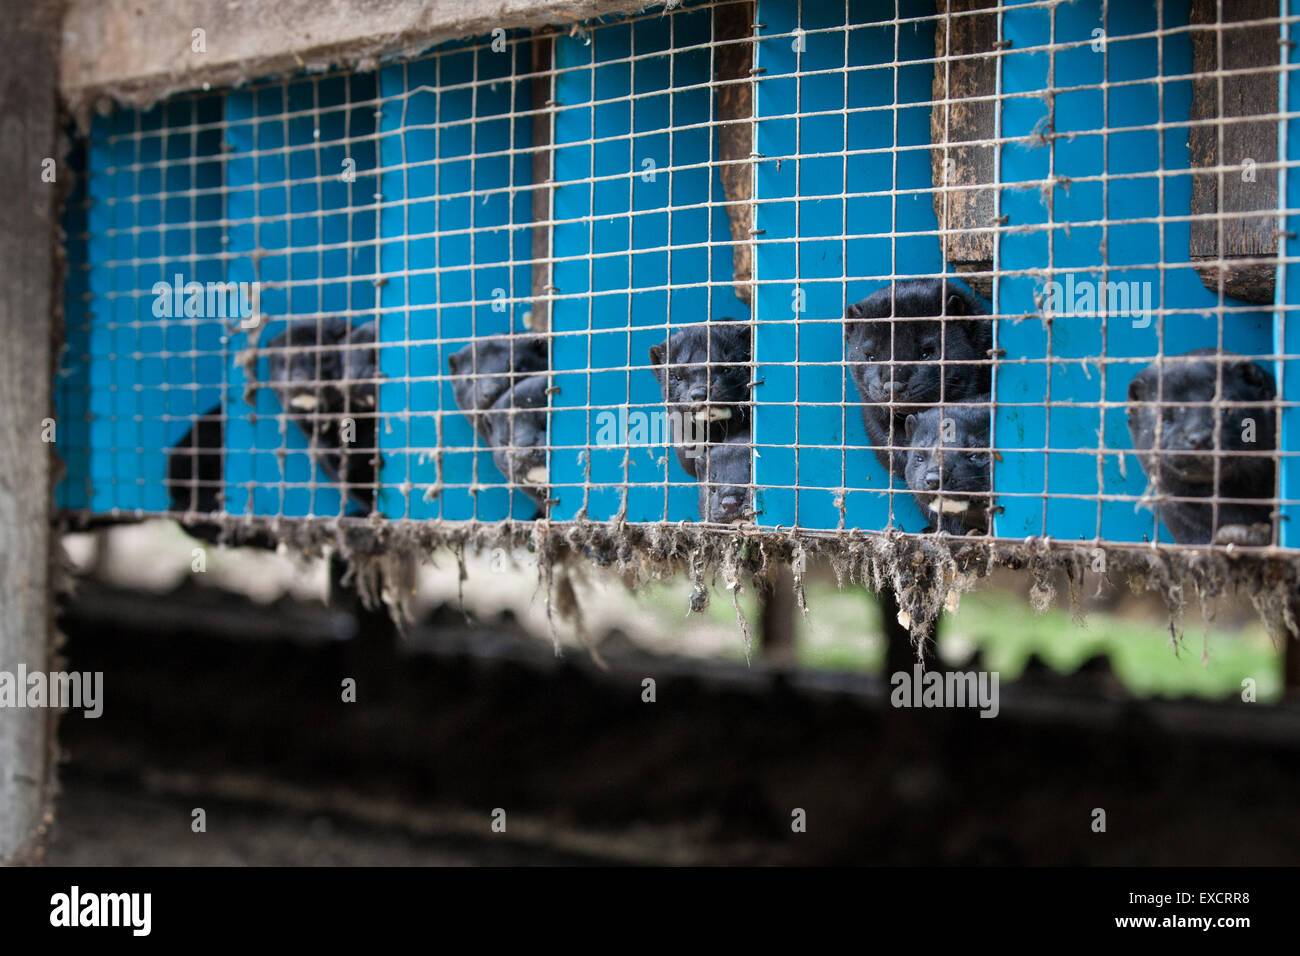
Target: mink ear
column 362, row 334
column 956, row 305
column 910, row 426
column 658, row 354
column 854, row 311
column 1137, row 390
column 1258, row 378
column 336, row 331
column 455, row 362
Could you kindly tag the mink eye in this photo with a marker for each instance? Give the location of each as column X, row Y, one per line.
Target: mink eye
column 919, row 456
column 974, row 456
column 871, row 356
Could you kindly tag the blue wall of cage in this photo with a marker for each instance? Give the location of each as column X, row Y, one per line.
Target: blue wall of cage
column 1120, row 207
column 455, row 174
column 638, row 204
column 147, row 207
column 843, row 107
column 1288, row 327
column 306, row 232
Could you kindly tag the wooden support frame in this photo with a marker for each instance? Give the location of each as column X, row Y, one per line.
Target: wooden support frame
column 1253, row 147
column 733, row 29
column 963, row 131
column 28, row 238
column 543, row 90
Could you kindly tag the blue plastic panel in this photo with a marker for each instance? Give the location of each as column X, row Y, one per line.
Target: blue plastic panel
column 306, row 233
column 819, row 252
column 1287, row 337
column 147, row 212
column 455, row 166
column 1051, row 384
column 631, row 140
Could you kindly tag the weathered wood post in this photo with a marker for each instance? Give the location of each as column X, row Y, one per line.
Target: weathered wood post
column 28, row 136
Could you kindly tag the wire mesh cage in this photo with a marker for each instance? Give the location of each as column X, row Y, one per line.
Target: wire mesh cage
column 974, row 269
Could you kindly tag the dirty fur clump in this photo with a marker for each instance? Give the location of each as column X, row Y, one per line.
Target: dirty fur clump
column 927, row 573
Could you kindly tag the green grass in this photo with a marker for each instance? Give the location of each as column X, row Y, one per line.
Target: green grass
column 843, row 633
column 1208, row 662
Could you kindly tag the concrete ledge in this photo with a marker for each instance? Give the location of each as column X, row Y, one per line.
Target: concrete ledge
column 136, row 52
column 29, row 313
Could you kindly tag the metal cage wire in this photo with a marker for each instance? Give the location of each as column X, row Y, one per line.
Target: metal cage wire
column 567, row 188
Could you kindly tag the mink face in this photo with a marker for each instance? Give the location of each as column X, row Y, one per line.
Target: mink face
column 326, row 378
column 704, row 375
column 1179, row 434
column 725, row 479
column 895, row 340
column 484, row 370
column 949, row 470
column 322, row 368
column 515, row 427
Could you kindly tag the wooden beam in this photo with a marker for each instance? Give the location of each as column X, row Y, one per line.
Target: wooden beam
column 733, row 65
column 776, row 610
column 543, row 94
column 1243, row 189
column 901, row 653
column 956, row 126
column 1291, row 656
column 140, row 51
column 28, row 137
